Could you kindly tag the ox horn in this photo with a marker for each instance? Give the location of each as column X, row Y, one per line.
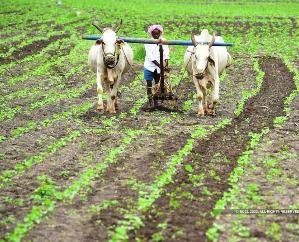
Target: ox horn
column 213, row 41
column 193, row 39
column 118, row 25
column 97, row 26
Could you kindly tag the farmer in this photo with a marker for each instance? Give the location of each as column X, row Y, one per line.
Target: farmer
column 152, row 61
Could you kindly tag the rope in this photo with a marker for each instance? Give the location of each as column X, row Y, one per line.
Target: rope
column 131, row 66
column 186, row 67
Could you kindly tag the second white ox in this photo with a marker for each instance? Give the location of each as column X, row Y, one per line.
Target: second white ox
column 110, row 58
column 205, row 62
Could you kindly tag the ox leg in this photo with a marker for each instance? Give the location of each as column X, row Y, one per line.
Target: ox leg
column 109, row 101
column 200, row 97
column 205, row 99
column 100, row 105
column 115, row 103
column 113, row 96
column 107, row 91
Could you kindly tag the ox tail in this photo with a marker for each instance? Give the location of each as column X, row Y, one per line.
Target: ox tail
column 229, row 60
column 128, row 55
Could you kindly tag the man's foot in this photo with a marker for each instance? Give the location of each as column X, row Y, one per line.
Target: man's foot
column 156, row 103
column 151, row 104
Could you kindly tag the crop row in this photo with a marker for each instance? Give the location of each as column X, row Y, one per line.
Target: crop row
column 229, row 198
column 46, row 68
column 80, row 184
column 47, row 203
column 253, row 195
column 70, row 94
column 31, row 125
column 36, row 57
column 137, row 105
column 132, row 218
column 278, row 121
column 18, row 43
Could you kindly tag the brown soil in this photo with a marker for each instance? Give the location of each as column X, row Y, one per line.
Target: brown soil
column 238, row 25
column 281, row 192
column 31, row 48
column 230, row 143
column 11, row 12
column 142, row 160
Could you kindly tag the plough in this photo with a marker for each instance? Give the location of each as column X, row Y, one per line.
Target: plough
column 162, row 91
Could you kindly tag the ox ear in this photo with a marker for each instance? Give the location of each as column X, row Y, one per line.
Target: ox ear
column 193, row 39
column 212, row 41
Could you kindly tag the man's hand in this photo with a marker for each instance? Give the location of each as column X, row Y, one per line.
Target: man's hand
column 161, row 40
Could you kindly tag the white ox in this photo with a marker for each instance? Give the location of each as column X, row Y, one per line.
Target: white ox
column 110, row 57
column 205, row 63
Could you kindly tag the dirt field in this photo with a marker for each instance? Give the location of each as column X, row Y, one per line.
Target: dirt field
column 70, row 173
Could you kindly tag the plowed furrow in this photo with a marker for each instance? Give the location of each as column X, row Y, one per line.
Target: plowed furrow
column 193, row 216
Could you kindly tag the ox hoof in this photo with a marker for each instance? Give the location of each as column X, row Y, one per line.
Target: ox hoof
column 200, row 113
column 111, row 110
column 212, row 105
column 210, row 112
column 100, row 108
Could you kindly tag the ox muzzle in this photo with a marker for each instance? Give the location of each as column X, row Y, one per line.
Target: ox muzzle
column 109, row 59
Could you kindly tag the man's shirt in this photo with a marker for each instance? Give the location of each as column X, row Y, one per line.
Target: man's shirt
column 152, row 53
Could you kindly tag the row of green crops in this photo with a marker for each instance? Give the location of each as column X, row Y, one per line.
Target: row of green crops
column 188, row 146
column 176, row 58
column 132, row 219
column 230, row 196
column 53, row 195
column 76, row 110
column 252, row 26
column 133, row 111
